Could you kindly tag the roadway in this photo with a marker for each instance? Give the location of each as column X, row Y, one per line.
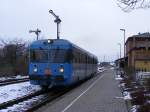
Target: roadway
column 95, row 95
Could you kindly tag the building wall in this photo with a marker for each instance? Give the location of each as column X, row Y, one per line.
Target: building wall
column 138, row 53
column 142, row 54
column 142, row 65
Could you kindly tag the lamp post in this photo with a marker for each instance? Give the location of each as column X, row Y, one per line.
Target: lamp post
column 124, row 40
column 120, row 49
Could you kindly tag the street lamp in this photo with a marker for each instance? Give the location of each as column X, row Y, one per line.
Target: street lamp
column 120, row 49
column 124, row 40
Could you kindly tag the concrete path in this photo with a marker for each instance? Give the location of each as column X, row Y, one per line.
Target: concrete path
column 96, row 95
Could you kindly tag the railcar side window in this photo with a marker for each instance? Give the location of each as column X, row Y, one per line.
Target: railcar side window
column 69, row 56
column 58, row 56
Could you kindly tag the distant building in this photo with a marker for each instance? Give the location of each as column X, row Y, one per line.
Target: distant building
column 104, row 63
column 138, row 51
column 120, row 63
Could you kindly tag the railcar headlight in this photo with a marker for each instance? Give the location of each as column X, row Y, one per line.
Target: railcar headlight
column 35, row 69
column 48, row 41
column 61, row 70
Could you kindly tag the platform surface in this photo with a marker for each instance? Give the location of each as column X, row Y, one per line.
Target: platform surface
column 99, row 94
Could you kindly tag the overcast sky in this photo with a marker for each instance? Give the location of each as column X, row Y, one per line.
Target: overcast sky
column 91, row 24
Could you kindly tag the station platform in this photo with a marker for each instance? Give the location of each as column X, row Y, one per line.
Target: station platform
column 98, row 94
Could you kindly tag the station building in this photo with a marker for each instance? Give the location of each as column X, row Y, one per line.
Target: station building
column 138, row 52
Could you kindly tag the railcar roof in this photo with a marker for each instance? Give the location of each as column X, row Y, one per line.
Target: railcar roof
column 92, row 55
column 60, row 42
column 55, row 41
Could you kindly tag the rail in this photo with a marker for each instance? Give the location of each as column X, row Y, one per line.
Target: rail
column 13, row 81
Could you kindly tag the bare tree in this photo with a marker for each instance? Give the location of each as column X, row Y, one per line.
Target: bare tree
column 129, row 5
column 13, row 55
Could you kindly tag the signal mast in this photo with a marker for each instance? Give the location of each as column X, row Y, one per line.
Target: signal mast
column 37, row 31
column 57, row 21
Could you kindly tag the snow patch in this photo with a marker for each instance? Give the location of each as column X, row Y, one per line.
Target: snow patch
column 134, row 108
column 127, row 95
column 118, row 77
column 13, row 91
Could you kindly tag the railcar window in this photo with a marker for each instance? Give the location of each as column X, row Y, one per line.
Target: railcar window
column 59, row 56
column 54, row 56
column 69, row 56
column 39, row 55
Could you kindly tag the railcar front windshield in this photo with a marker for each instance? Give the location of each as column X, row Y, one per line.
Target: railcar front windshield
column 38, row 55
column 52, row 55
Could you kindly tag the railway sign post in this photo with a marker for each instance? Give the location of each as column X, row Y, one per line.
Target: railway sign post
column 37, row 31
column 57, row 21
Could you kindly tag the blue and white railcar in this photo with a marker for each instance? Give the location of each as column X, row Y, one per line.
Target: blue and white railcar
column 59, row 62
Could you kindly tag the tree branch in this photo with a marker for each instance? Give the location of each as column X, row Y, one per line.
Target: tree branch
column 129, row 5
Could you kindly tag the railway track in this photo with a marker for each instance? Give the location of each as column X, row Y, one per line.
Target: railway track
column 54, row 95
column 34, row 101
column 48, row 98
column 13, row 81
column 20, row 99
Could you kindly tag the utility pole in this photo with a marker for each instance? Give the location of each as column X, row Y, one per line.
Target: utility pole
column 37, row 31
column 104, row 58
column 120, row 50
column 57, row 21
column 124, row 40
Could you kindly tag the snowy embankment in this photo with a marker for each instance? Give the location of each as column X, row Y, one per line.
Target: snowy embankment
column 118, row 77
column 126, row 94
column 13, row 78
column 13, row 91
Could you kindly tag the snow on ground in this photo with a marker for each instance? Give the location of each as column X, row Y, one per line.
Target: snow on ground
column 121, row 85
column 127, row 95
column 134, row 108
column 25, row 105
column 112, row 68
column 118, row 77
column 21, row 77
column 13, row 77
column 13, row 91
